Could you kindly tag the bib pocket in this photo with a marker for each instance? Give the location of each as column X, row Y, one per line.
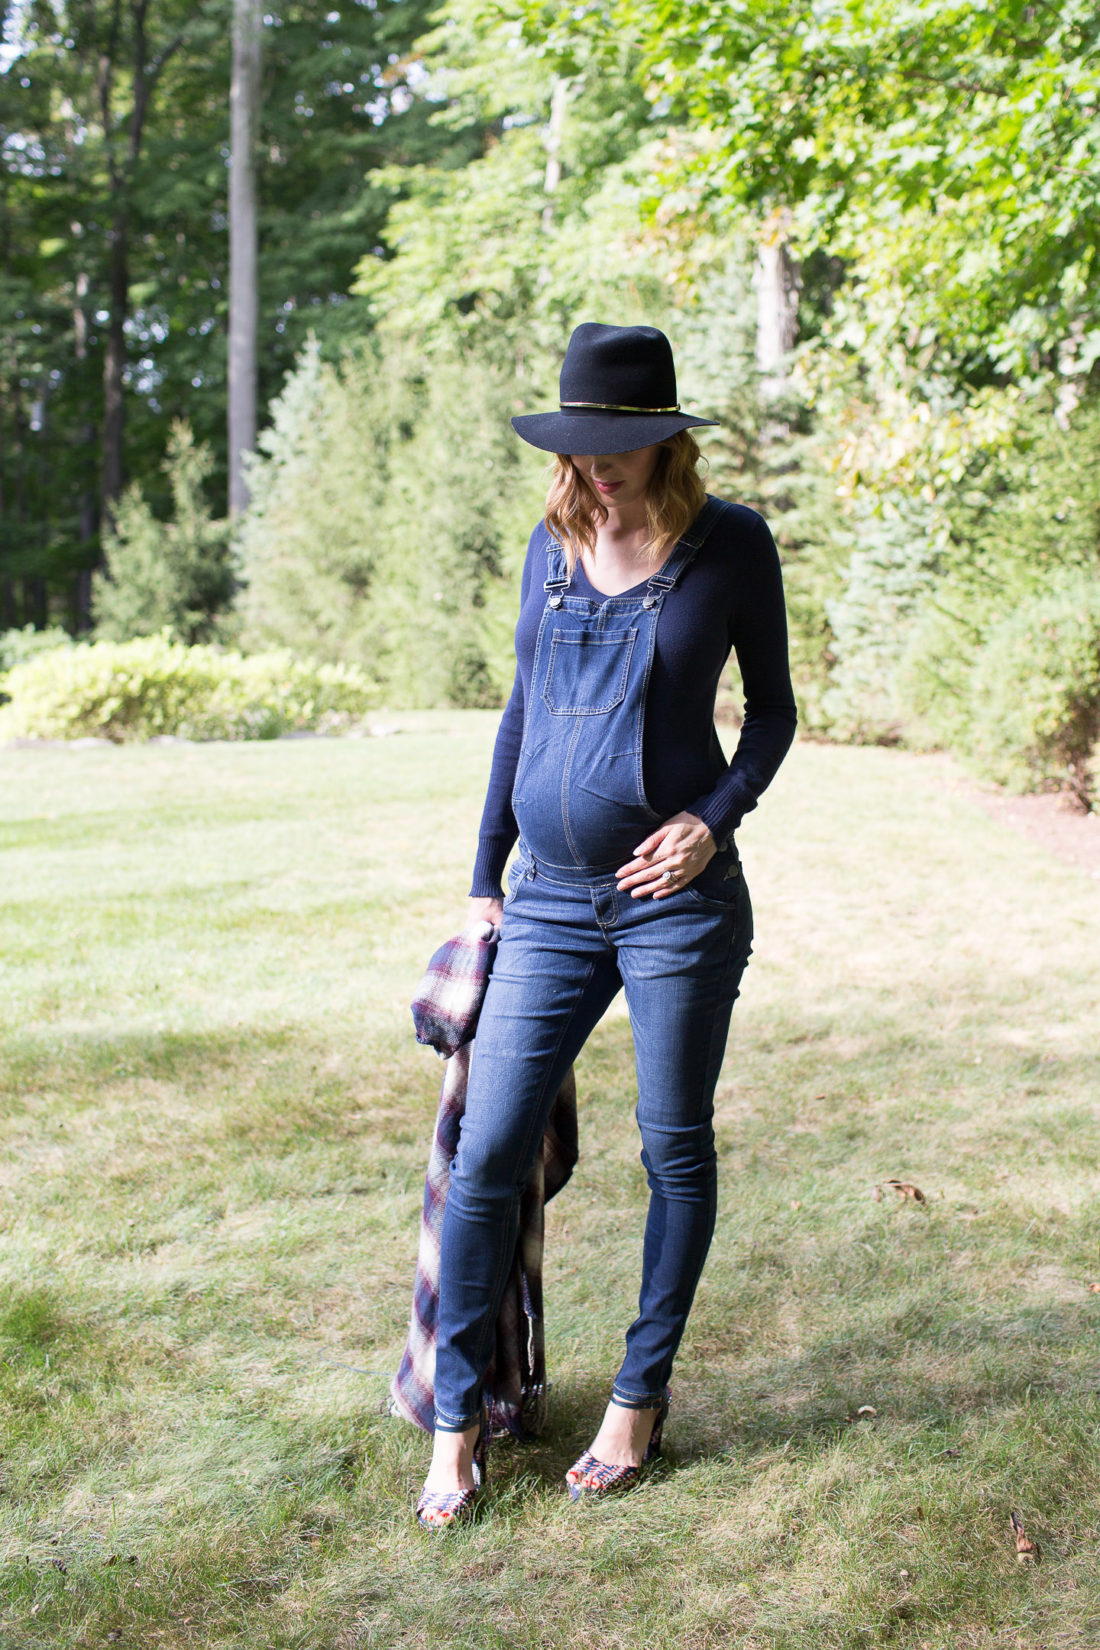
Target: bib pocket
column 587, row 671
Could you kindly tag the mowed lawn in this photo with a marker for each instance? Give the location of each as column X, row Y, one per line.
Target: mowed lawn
column 215, row 1124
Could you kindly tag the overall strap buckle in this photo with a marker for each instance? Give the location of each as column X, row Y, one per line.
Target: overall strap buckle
column 684, row 553
column 557, row 572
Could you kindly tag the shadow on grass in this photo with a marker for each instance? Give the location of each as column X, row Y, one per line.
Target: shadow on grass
column 312, row 1072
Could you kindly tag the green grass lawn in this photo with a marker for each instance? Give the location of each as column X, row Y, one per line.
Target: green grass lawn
column 215, row 1126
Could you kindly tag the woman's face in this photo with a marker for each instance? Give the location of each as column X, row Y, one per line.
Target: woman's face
column 618, row 478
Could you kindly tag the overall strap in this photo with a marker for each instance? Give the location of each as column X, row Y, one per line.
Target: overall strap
column 687, row 547
column 558, row 575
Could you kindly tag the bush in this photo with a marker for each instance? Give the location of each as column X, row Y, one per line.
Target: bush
column 136, row 690
column 1035, row 716
column 18, row 645
column 887, row 578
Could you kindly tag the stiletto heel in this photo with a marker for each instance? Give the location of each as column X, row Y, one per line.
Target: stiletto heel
column 590, row 1476
column 452, row 1507
column 653, row 1448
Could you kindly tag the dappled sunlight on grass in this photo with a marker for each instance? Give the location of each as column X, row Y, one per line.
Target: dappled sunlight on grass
column 215, row 1124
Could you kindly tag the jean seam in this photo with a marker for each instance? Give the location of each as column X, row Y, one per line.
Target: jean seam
column 454, row 1423
column 637, row 1400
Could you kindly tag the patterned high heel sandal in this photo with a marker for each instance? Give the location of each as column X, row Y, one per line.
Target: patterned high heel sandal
column 450, row 1507
column 591, row 1477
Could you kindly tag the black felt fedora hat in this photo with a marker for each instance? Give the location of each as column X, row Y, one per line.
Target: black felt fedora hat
column 618, row 392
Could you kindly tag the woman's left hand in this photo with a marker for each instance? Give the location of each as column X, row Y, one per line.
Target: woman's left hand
column 682, row 846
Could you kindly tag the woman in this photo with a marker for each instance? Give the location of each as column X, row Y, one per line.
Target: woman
column 608, row 768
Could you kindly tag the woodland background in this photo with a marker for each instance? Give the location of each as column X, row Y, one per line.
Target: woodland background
column 868, row 226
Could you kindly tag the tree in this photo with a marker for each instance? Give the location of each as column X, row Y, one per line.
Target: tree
column 243, row 294
column 114, row 127
column 949, row 155
column 173, row 576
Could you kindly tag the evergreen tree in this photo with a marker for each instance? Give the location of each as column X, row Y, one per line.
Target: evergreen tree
column 173, row 576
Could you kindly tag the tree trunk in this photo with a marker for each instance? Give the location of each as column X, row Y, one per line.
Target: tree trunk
column 776, row 281
column 559, row 99
column 114, row 363
column 244, row 100
column 86, row 504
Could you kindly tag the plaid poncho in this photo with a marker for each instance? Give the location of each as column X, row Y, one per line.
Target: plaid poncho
column 445, row 1012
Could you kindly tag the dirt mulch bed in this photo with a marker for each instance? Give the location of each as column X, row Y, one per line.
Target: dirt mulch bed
column 1054, row 822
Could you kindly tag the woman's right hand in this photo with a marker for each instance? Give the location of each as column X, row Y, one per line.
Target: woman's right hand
column 487, row 910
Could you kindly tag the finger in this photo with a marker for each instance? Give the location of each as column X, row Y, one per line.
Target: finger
column 632, row 868
column 666, row 878
column 652, row 870
column 646, row 849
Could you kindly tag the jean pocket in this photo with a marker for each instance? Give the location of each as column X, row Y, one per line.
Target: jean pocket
column 718, row 884
column 516, row 873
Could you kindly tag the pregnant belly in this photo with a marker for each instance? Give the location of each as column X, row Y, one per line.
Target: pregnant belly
column 581, row 813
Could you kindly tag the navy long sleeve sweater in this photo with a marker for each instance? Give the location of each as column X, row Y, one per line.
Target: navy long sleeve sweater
column 730, row 597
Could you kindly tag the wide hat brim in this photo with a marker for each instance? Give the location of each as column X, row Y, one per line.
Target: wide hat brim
column 600, row 433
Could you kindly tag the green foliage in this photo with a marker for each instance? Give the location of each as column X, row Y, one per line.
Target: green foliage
column 950, row 155
column 391, row 504
column 1035, row 721
column 82, row 177
column 154, row 686
column 1003, row 533
column 887, row 577
column 19, row 645
column 496, row 252
column 173, row 576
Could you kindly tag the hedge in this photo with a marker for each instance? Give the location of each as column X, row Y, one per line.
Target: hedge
column 152, row 686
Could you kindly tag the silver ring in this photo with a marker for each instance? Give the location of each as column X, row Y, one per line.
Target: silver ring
column 668, row 876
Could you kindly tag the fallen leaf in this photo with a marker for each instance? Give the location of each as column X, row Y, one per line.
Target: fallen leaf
column 795, row 1204
column 876, row 1193
column 1094, row 1288
column 906, row 1189
column 1027, row 1551
column 867, row 1409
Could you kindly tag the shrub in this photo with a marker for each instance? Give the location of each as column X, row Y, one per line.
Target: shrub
column 1035, row 716
column 887, row 577
column 17, row 645
column 173, row 576
column 136, row 690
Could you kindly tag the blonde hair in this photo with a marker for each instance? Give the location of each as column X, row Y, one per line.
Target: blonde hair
column 673, row 499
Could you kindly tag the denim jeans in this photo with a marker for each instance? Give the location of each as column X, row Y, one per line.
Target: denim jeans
column 568, row 941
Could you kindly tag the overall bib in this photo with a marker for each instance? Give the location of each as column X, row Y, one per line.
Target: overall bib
column 570, row 939
column 579, row 796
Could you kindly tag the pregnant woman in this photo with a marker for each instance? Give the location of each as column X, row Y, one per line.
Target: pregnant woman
column 608, row 769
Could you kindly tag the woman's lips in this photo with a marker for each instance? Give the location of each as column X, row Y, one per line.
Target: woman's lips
column 609, row 486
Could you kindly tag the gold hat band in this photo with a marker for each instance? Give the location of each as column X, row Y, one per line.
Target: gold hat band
column 614, row 406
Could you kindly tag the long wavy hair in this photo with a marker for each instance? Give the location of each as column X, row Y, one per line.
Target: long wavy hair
column 673, row 499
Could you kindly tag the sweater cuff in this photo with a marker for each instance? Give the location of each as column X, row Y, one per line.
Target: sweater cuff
column 492, row 856
column 723, row 809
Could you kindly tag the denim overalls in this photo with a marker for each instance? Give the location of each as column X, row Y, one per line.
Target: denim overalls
column 570, row 938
